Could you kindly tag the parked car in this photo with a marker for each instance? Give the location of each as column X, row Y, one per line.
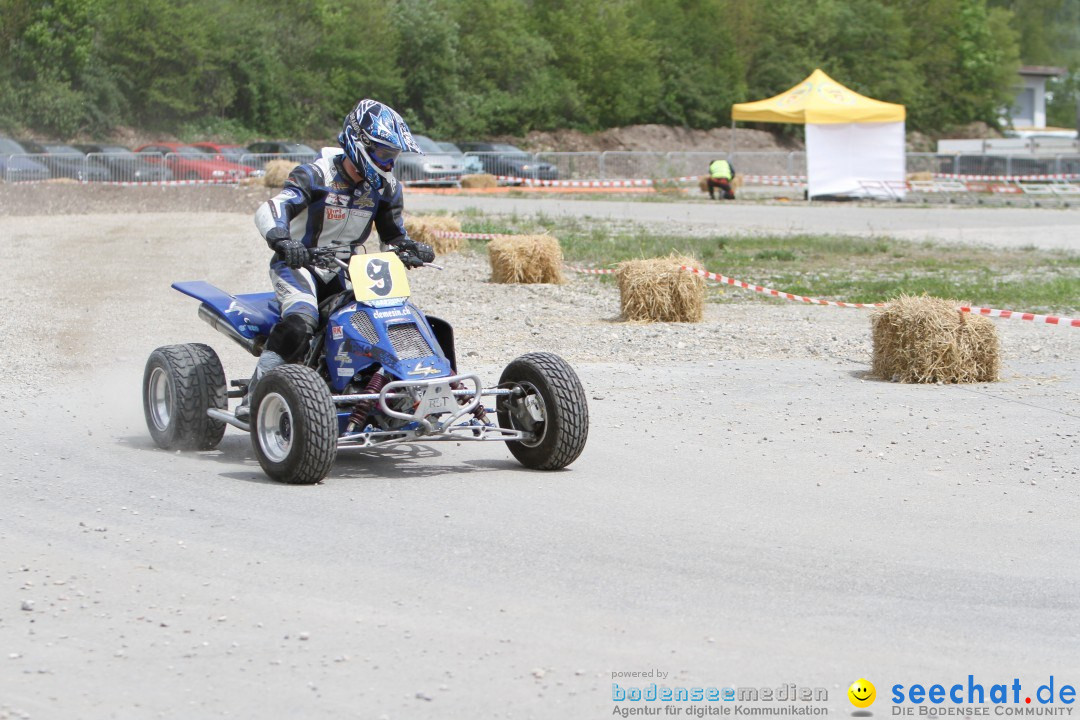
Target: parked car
column 190, row 163
column 65, row 161
column 433, row 167
column 502, row 159
column 295, row 151
column 472, row 163
column 16, row 168
column 126, row 166
column 231, row 153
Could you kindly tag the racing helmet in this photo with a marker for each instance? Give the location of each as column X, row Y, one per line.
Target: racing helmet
column 373, row 136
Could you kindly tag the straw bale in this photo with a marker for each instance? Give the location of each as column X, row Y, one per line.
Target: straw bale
column 526, row 259
column 277, row 171
column 424, row 228
column 927, row 340
column 656, row 290
column 481, row 180
column 919, row 176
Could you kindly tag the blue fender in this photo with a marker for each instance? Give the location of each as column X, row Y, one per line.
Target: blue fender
column 252, row 315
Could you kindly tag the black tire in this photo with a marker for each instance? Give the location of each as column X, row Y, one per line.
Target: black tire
column 555, row 388
column 180, row 383
column 294, row 425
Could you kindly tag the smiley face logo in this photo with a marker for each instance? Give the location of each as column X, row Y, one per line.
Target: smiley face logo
column 862, row 693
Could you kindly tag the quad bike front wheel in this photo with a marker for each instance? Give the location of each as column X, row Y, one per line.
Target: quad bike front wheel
column 549, row 404
column 180, row 383
column 294, row 425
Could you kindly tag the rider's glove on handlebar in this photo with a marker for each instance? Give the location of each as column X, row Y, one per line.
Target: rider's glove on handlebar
column 291, row 251
column 414, row 254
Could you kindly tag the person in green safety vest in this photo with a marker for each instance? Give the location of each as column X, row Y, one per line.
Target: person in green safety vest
column 721, row 173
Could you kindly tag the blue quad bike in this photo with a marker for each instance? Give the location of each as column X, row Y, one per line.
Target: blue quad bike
column 378, row 373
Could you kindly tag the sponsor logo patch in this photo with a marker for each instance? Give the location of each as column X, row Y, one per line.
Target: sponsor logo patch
column 335, row 213
column 396, row 312
column 335, row 199
column 336, row 332
column 418, row 369
column 362, row 201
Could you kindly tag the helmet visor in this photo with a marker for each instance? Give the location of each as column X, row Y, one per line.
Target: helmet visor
column 383, row 156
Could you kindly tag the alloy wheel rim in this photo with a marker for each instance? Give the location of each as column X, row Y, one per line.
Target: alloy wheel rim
column 275, row 427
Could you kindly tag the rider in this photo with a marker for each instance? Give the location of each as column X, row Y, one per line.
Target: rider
column 332, row 201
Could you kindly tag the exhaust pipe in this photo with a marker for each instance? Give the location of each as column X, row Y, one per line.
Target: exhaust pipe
column 219, row 323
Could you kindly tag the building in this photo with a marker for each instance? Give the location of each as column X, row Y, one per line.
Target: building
column 1028, row 115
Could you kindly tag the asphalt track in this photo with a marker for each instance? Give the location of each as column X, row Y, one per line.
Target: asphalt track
column 996, row 226
column 750, row 523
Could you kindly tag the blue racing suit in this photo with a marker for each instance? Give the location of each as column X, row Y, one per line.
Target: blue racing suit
column 321, row 206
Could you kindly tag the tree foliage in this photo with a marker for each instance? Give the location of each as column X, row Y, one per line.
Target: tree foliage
column 472, row 68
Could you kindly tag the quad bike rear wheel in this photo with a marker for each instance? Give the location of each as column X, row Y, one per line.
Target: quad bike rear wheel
column 180, row 383
column 548, row 403
column 294, row 425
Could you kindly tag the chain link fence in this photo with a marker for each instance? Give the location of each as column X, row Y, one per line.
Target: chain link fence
column 130, row 167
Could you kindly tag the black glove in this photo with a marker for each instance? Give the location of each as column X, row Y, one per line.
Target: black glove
column 292, row 251
column 414, row 254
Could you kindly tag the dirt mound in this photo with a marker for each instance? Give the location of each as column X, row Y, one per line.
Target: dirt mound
column 662, row 138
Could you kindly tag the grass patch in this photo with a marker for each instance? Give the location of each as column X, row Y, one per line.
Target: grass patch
column 834, row 267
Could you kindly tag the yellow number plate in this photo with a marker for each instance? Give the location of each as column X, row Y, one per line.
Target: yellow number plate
column 379, row 276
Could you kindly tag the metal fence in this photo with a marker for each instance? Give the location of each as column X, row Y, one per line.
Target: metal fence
column 610, row 165
column 993, row 164
column 632, row 165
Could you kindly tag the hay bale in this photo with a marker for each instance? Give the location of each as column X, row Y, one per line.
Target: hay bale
column 526, row 259
column 928, row 340
column 481, row 180
column 425, row 228
column 920, row 176
column 656, row 290
column 277, row 171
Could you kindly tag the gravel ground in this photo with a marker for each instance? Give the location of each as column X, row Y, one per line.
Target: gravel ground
column 773, row 501
column 54, row 259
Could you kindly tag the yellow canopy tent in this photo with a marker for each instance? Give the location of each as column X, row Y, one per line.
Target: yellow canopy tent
column 819, row 100
column 854, row 144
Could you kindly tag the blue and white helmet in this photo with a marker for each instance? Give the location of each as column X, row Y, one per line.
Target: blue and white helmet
column 373, row 136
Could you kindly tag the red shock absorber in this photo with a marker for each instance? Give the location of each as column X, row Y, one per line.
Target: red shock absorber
column 479, row 412
column 362, row 408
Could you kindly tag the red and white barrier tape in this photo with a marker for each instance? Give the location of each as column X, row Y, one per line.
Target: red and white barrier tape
column 1014, row 315
column 775, row 293
column 644, row 182
column 988, row 312
column 592, row 271
column 126, row 183
column 470, row 236
column 794, row 180
column 1006, row 178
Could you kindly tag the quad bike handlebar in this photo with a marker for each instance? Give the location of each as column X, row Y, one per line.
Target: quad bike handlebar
column 330, row 258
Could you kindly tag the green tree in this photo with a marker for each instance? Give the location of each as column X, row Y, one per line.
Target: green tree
column 700, row 72
column 611, row 66
column 966, row 59
column 506, row 79
column 431, row 94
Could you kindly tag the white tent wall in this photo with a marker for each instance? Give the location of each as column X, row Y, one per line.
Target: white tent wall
column 857, row 159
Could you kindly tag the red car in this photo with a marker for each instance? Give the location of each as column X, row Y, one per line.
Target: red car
column 229, row 153
column 190, row 163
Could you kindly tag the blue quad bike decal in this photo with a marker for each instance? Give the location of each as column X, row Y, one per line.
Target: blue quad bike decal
column 379, row 372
